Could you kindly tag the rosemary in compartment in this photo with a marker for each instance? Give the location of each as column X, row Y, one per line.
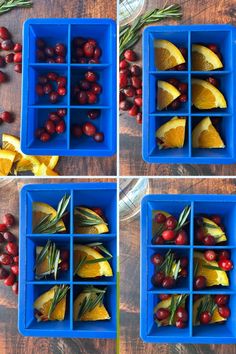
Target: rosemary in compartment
column 50, row 253
column 8, row 5
column 87, row 217
column 175, row 303
column 93, row 298
column 59, row 294
column 207, row 304
column 170, row 266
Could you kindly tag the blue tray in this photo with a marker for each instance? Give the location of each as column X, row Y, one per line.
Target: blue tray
column 223, row 205
column 224, row 37
column 103, row 195
column 35, row 109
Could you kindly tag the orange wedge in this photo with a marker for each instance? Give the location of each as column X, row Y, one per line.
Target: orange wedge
column 12, row 143
column 206, row 96
column 172, row 133
column 166, row 93
column 40, row 210
column 49, row 161
column 215, row 317
column 43, row 170
column 204, row 59
column 167, row 55
column 205, row 135
column 211, row 228
column 43, row 303
column 6, row 161
column 99, row 313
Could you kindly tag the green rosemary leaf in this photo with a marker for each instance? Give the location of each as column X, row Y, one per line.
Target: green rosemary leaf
column 59, row 294
column 98, row 260
column 41, row 223
column 86, row 218
column 176, row 271
column 210, row 226
column 79, row 265
column 8, row 5
column 90, row 302
column 100, row 246
column 183, row 217
column 62, row 206
column 92, row 289
column 172, row 310
column 42, row 255
column 56, row 263
column 199, row 311
column 212, row 267
column 195, row 269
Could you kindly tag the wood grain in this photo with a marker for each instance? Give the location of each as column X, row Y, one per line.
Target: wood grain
column 131, row 162
column 10, row 93
column 11, row 342
column 130, row 271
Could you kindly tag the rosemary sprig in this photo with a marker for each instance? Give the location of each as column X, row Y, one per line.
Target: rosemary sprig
column 91, row 300
column 8, row 5
column 196, row 266
column 182, row 221
column 100, row 246
column 129, row 34
column 85, row 218
column 53, row 256
column 84, row 261
column 180, row 301
column 59, row 294
column 212, row 267
column 48, row 225
column 170, row 266
column 207, row 304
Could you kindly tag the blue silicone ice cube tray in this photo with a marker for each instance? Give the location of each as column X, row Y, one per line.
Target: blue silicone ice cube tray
column 102, row 195
column 185, row 36
column 35, row 109
column 223, row 205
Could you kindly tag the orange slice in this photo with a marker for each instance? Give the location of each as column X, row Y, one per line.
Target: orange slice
column 49, row 161
column 172, row 133
column 167, row 55
column 99, row 313
column 12, row 143
column 166, row 93
column 204, row 59
column 43, row 302
column 6, row 161
column 40, row 210
column 205, row 135
column 206, row 96
column 43, row 170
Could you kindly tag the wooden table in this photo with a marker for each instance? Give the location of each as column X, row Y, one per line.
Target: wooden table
column 11, row 342
column 130, row 271
column 10, row 93
column 131, row 162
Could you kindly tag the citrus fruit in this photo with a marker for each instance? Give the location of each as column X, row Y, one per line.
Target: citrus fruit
column 43, row 302
column 27, row 163
column 165, row 304
column 96, row 224
column 99, row 312
column 43, row 266
column 6, row 161
column 215, row 317
column 166, row 93
column 204, row 59
column 49, row 161
column 211, row 228
column 43, row 170
column 206, row 96
column 40, row 210
column 91, row 270
column 167, row 55
column 213, row 276
column 171, row 134
column 12, row 143
column 205, row 135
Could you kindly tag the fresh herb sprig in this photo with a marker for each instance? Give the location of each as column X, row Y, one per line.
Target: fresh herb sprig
column 59, row 294
column 180, row 302
column 85, row 218
column 8, row 5
column 207, row 304
column 94, row 297
column 170, row 266
column 53, row 255
column 130, row 35
column 48, row 225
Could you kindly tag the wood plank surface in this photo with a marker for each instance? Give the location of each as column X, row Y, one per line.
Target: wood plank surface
column 10, row 92
column 130, row 271
column 131, row 162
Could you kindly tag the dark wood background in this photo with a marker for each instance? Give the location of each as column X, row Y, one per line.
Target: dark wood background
column 130, row 271
column 131, row 162
column 10, row 93
column 11, row 342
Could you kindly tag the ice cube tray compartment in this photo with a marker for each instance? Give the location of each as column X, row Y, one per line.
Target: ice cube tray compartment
column 184, row 36
column 102, row 195
column 64, row 31
column 223, row 205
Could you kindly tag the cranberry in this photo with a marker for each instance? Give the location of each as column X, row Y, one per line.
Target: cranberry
column 8, row 220
column 96, row 88
column 60, row 127
column 4, row 34
column 39, row 90
column 42, row 79
column 225, row 264
column 76, row 130
column 2, row 62
column 64, row 255
column 123, row 64
column 11, row 248
column 90, row 76
column 139, row 92
column 7, row 44
column 53, row 116
column 79, row 52
column 10, row 280
column 130, row 55
column 160, row 218
column 15, row 288
column 60, row 49
column 64, row 266
column 47, row 89
column 162, row 314
column 92, row 98
column 213, row 47
column 8, row 236
column 138, row 101
column 61, row 112
column 224, row 311
column 183, row 273
column 39, row 132
column 200, row 234
column 168, row 235
column 216, row 219
column 78, row 41
column 123, row 80
column 182, row 314
column 93, row 61
column 60, row 60
column 171, row 223
column 180, row 324
column 180, row 67
column 175, row 104
column 82, row 97
column 183, row 262
column 16, row 259
column 210, row 256
column 40, row 43
column 135, row 70
column 52, row 76
column 9, row 58
column 17, row 48
column 224, row 255
column 125, row 72
column 133, row 111
column 61, row 81
column 93, row 114
column 15, row 269
column 97, row 53
column 61, row 91
column 124, row 105
column 1, row 238
column 6, row 259
column 183, row 98
column 213, row 81
column 136, row 82
column 129, row 91
column 181, row 238
column 49, row 51
column 157, row 259
column 50, row 127
column 221, row 300
column 173, row 81
column 88, row 49
column 209, row 240
column 6, row 117
column 40, row 55
column 3, row 77
column 205, row 317
column 168, row 282
column 199, row 282
column 3, row 227
column 45, row 137
column 139, row 118
column 183, row 87
column 17, row 58
column 159, row 240
column 158, row 278
column 82, row 60
column 164, row 296
column 53, row 97
column 3, row 273
column 84, row 85
column 89, row 129
column 183, row 51
column 98, row 137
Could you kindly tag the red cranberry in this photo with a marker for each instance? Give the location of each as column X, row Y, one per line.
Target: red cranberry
column 159, row 240
column 129, row 91
column 183, row 273
column 210, row 255
column 79, row 52
column 225, row 264
column 89, row 129
column 168, row 235
column 15, row 269
column 3, row 227
column 42, row 79
column 60, row 127
column 82, row 97
column 49, row 51
column 40, row 55
column 136, row 82
column 157, row 259
column 224, row 311
column 53, row 97
column 1, row 238
column 16, row 259
column 181, row 238
column 224, row 255
column 125, row 72
column 78, row 41
column 64, row 255
column 200, row 234
column 17, row 48
column 213, row 47
column 180, row 67
column 60, row 60
column 6, row 259
column 2, row 61
column 123, row 64
column 60, row 49
column 52, row 76
column 183, row 262
column 76, row 130
column 183, row 98
column 133, row 111
column 97, row 53
column 47, row 89
column 130, row 55
column 39, row 132
column 40, row 43
column 3, row 273
column 138, row 101
column 216, row 219
column 50, row 127
column 213, row 81
column 50, row 61
column 180, row 324
column 90, row 76
column 92, row 98
column 124, row 105
column 182, row 314
column 7, row 44
column 164, row 296
column 61, row 112
column 160, row 218
column 139, row 92
column 61, row 81
column 183, row 51
column 93, row 114
column 158, row 278
column 9, row 58
column 209, row 240
column 123, row 80
column 173, row 81
column 93, row 61
column 183, row 87
column 96, row 88
column 88, row 49
column 8, row 236
column 39, row 90
column 221, row 300
column 61, row 91
column 168, row 282
column 84, row 85
column 135, row 70
column 10, row 280
column 64, row 266
column 4, row 33
column 8, row 220
column 53, row 116
column 45, row 137
column 98, row 137
column 139, row 118
column 17, row 58
column 6, row 117
column 82, row 60
column 162, row 314
column 205, row 317
column 3, row 77
column 15, row 288
column 171, row 223
column 199, row 282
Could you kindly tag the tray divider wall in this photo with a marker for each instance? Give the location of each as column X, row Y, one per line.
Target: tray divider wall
column 68, row 86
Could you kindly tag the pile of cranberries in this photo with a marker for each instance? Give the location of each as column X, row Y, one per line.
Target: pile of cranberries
column 88, row 128
column 85, row 51
column 9, row 259
column 14, row 55
column 54, row 124
column 53, row 85
column 200, row 235
column 181, row 314
column 221, row 302
column 48, row 54
column 131, row 86
column 87, row 91
column 169, row 233
column 183, row 89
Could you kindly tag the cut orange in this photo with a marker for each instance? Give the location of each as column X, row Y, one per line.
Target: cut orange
column 167, row 55
column 166, row 93
column 94, row 269
column 205, row 135
column 6, row 161
column 40, row 210
column 49, row 161
column 204, row 59
column 43, row 170
column 99, row 313
column 12, row 143
column 211, row 228
column 206, row 96
column 27, row 163
column 43, row 302
column 172, row 133
column 215, row 317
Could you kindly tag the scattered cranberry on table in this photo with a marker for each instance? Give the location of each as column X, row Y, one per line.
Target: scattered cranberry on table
column 6, row 117
column 54, row 124
column 85, row 51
